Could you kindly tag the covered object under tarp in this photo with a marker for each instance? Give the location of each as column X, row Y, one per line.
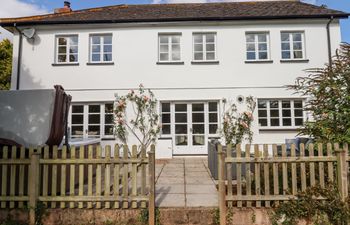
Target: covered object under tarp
column 33, row 117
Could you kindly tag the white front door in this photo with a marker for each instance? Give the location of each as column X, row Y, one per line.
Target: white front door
column 190, row 128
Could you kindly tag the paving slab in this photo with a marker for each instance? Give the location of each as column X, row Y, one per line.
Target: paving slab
column 171, row 188
column 170, row 200
column 201, row 200
column 200, row 189
column 170, row 180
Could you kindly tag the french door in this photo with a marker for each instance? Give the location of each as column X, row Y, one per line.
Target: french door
column 190, row 135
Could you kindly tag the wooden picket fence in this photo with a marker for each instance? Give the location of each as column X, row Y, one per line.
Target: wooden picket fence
column 272, row 174
column 85, row 177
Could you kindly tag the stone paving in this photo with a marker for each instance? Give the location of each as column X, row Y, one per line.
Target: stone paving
column 185, row 182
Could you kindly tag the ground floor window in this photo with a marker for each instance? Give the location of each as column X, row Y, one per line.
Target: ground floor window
column 284, row 113
column 92, row 120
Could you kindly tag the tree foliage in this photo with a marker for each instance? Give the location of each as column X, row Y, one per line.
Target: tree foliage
column 328, row 90
column 5, row 64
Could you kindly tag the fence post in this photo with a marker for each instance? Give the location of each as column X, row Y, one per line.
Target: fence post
column 151, row 203
column 222, row 187
column 34, row 185
column 342, row 170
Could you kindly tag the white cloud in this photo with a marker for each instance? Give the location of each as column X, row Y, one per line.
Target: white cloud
column 18, row 8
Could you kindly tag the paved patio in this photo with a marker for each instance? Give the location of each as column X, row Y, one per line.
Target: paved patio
column 185, row 182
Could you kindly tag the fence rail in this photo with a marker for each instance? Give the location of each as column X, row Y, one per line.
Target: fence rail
column 274, row 173
column 84, row 177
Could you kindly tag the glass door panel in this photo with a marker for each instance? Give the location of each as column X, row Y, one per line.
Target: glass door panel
column 181, row 125
column 198, row 124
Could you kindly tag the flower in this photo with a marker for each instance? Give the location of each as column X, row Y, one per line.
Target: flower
column 120, row 121
column 244, row 124
column 145, row 98
column 248, row 114
column 141, row 86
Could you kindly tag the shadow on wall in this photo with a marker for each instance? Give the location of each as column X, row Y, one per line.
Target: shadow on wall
column 27, row 80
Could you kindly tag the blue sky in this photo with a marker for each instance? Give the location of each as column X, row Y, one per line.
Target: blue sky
column 15, row 8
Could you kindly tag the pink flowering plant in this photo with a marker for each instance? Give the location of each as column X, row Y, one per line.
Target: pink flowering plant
column 141, row 121
column 236, row 124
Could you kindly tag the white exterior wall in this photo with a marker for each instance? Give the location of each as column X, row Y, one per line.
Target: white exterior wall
column 135, row 53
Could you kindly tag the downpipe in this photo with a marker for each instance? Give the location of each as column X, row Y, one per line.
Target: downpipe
column 19, row 60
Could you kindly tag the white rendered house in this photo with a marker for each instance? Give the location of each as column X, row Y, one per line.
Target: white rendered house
column 190, row 55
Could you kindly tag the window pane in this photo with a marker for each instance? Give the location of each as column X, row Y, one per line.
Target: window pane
column 250, row 47
column 262, row 47
column 198, row 47
column 262, row 38
column 286, row 113
column 180, row 129
column 198, row 56
column 176, row 48
column 77, row 119
column 107, row 48
column 285, row 36
column 180, row 107
column 213, row 128
column 95, row 40
column 164, row 48
column 273, row 104
column 94, row 108
column 250, row 37
column 213, row 117
column 73, row 58
column 297, row 46
column 250, row 55
column 62, row 58
column 181, row 117
column 298, row 54
column 163, row 39
column 287, row 122
column 211, row 56
column 73, row 40
column 285, row 55
column 198, row 117
column 109, row 119
column 285, row 104
column 181, row 140
column 298, row 122
column 210, row 47
column 262, row 104
column 73, row 49
column 62, row 50
column 95, row 57
column 298, row 104
column 107, row 57
column 175, row 39
column 198, row 128
column 213, row 106
column 210, row 38
column 198, row 39
column 166, row 129
column 109, row 108
column 164, row 56
column 77, row 109
column 107, row 39
column 262, row 55
column 62, row 41
column 263, row 122
column 298, row 112
column 262, row 113
column 175, row 56
column 77, row 130
column 198, row 107
column 109, row 130
column 96, row 48
column 274, row 113
column 165, row 118
column 297, row 37
column 94, row 119
column 94, row 130
column 165, row 107
column 285, row 46
column 275, row 122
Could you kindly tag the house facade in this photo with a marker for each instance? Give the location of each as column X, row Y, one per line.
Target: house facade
column 192, row 56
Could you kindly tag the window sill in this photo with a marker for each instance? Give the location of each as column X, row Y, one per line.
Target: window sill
column 170, row 63
column 100, row 64
column 294, row 60
column 65, row 64
column 108, row 139
column 259, row 61
column 205, row 62
column 164, row 138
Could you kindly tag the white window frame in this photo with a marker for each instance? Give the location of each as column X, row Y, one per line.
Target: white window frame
column 170, row 47
column 171, row 119
column 102, row 52
column 291, row 44
column 256, row 43
column 86, row 119
column 204, row 45
column 68, row 45
column 280, row 115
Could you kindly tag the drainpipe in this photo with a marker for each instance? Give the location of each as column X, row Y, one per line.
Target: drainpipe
column 19, row 60
column 329, row 41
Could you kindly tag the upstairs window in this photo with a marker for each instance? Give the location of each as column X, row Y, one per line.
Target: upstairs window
column 257, row 46
column 204, row 47
column 67, row 49
column 169, row 48
column 292, row 45
column 275, row 113
column 101, row 48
